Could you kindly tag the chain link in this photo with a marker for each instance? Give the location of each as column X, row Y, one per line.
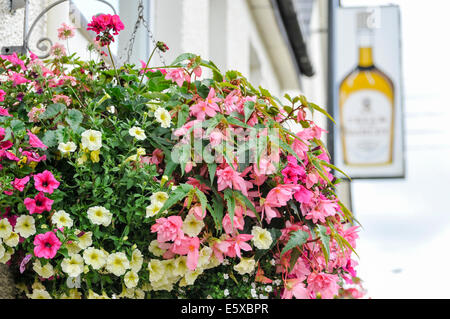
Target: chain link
column 141, row 19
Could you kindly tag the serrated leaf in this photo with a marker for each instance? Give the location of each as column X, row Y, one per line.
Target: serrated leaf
column 212, row 167
column 74, row 118
column 52, row 110
column 203, row 200
column 50, row 138
column 249, row 108
column 217, row 211
column 297, row 239
column 325, row 241
column 231, row 203
column 17, row 127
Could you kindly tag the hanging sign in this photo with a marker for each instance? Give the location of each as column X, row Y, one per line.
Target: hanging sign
column 368, row 139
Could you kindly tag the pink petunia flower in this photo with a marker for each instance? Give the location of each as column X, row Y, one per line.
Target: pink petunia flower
column 18, row 79
column 46, row 245
column 38, row 204
column 35, row 141
column 4, row 112
column 2, row 95
column 20, row 183
column 45, row 182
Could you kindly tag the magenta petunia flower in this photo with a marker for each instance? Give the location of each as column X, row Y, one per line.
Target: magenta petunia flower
column 46, row 245
column 38, row 204
column 35, row 141
column 20, row 183
column 45, row 182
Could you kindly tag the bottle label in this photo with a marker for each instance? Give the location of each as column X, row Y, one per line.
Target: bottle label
column 367, row 128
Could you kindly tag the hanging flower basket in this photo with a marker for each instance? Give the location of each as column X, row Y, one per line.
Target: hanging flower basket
column 156, row 182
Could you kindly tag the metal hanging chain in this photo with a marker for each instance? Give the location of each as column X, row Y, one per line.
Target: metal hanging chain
column 141, row 19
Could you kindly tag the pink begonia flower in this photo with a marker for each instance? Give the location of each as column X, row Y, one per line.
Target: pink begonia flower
column 230, row 102
column 301, row 269
column 198, row 212
column 182, row 131
column 196, row 183
column 46, row 245
column 2, row 95
column 4, row 112
column 18, row 79
column 280, row 195
column 325, row 284
column 35, row 141
column 311, row 179
column 215, row 138
column 178, row 75
column 66, row 31
column 292, row 172
column 351, row 234
column 20, row 183
column 38, row 204
column 188, row 246
column 203, row 108
column 303, row 195
column 238, row 223
column 295, row 288
column 45, row 182
column 229, row 178
column 168, row 229
column 239, row 242
column 15, row 60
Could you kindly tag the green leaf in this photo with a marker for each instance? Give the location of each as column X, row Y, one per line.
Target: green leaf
column 175, row 197
column 325, row 240
column 321, row 110
column 50, row 138
column 334, row 167
column 18, row 127
column 247, row 203
column 249, row 108
column 182, row 115
column 183, row 57
column 74, row 118
column 297, row 239
column 231, row 203
column 217, row 211
column 52, row 110
column 212, row 172
column 236, row 122
column 203, row 200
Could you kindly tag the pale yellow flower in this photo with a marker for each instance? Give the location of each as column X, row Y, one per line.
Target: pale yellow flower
column 25, row 226
column 39, row 294
column 261, row 238
column 155, row 249
column 99, row 215
column 153, row 209
column 92, row 140
column 94, row 257
column 163, row 117
column 73, row 266
column 159, row 197
column 192, row 226
column 66, row 148
column 12, row 240
column 45, row 271
column 156, row 270
column 117, row 263
column 62, row 219
column 5, row 228
column 131, row 279
column 246, row 266
column 136, row 260
column 137, row 133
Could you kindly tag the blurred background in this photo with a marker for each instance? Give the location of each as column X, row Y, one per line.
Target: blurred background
column 283, row 45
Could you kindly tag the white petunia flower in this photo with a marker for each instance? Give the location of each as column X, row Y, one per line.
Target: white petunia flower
column 94, row 257
column 25, row 226
column 131, row 279
column 12, row 240
column 62, row 219
column 137, row 133
column 192, row 226
column 261, row 238
column 155, row 270
column 159, row 197
column 99, row 215
column 153, row 209
column 163, row 117
column 136, row 260
column 73, row 282
column 73, row 266
column 246, row 266
column 92, row 140
column 117, row 263
column 85, row 240
column 5, row 228
column 68, row 147
column 39, row 294
column 45, row 271
column 155, row 249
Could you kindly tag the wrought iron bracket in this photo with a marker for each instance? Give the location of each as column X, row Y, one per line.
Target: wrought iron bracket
column 23, row 49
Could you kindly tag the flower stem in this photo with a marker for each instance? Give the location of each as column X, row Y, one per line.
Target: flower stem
column 145, row 68
column 113, row 64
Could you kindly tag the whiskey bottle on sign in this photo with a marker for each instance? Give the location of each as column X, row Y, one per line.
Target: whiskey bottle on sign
column 366, row 105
